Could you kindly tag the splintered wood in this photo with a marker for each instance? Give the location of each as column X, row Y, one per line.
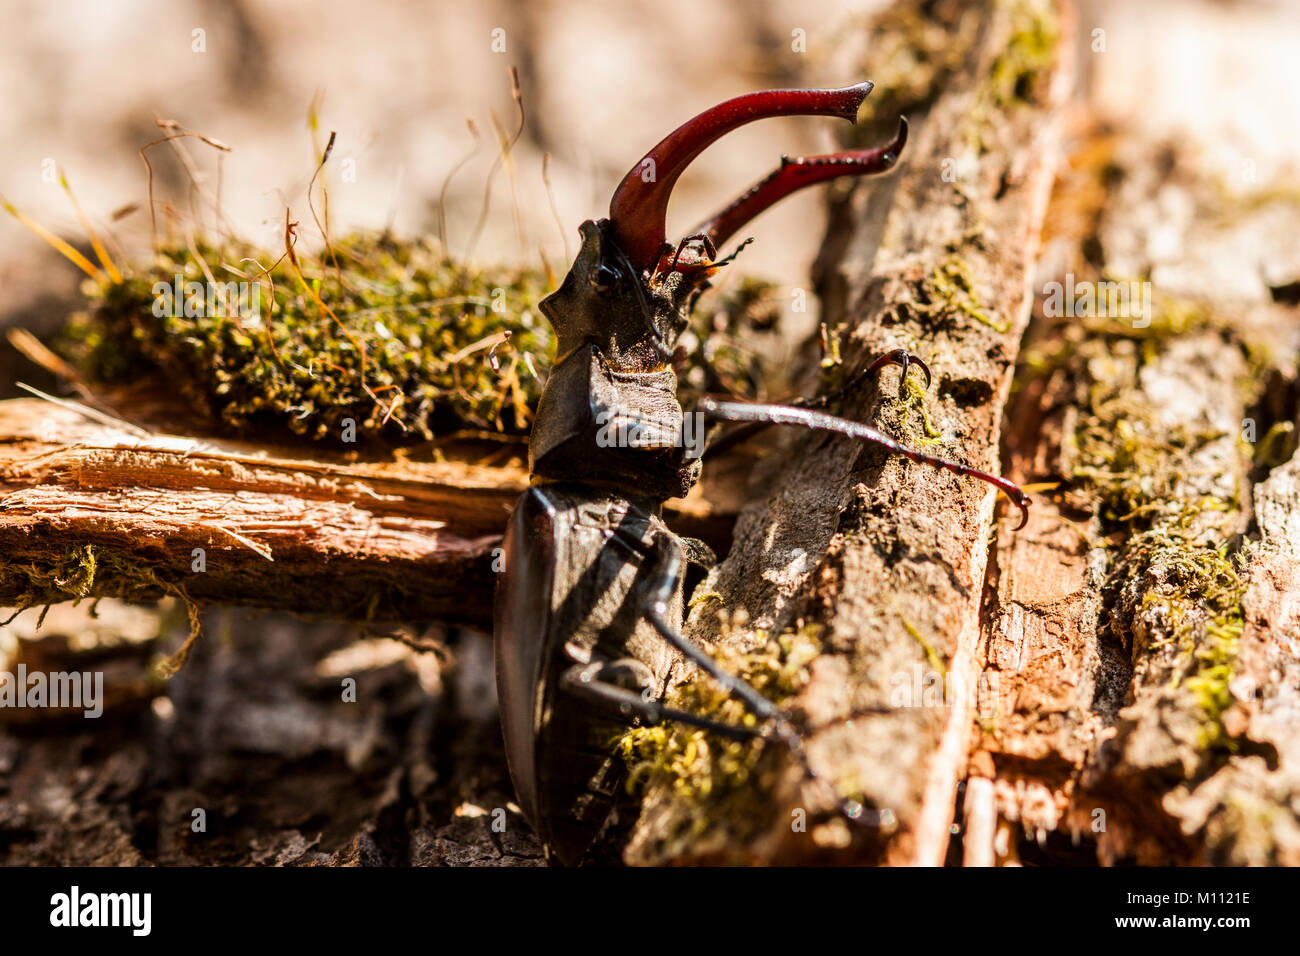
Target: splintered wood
column 90, row 509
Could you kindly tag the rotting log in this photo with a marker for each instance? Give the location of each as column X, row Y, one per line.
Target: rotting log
column 884, row 559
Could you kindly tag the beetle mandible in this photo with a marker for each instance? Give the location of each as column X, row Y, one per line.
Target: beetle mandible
column 588, row 616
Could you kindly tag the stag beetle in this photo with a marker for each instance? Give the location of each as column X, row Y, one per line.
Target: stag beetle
column 588, row 616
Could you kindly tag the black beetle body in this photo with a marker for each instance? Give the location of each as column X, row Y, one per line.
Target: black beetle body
column 588, row 618
column 576, row 565
column 584, row 543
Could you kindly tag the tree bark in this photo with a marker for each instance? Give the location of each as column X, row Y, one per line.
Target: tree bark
column 1119, row 685
column 1128, row 711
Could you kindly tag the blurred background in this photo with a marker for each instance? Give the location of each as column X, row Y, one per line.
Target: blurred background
column 600, row 82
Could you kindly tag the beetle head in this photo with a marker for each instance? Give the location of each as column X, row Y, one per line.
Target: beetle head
column 605, row 298
column 629, row 291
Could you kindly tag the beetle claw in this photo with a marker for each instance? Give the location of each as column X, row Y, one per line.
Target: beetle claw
column 904, row 359
column 1022, row 502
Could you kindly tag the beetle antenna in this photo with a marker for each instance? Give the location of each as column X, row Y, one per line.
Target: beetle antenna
column 807, row 418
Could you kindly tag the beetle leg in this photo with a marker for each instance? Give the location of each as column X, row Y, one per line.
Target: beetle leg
column 899, row 357
column 656, row 612
column 668, row 573
column 778, row 723
column 585, row 681
column 790, row 415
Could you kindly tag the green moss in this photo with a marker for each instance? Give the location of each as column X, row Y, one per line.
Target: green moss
column 1199, row 609
column 1172, row 570
column 1170, row 316
column 391, row 335
column 1216, row 659
column 917, row 428
column 950, row 290
column 703, row 595
column 719, row 783
column 79, row 572
column 75, row 573
column 1029, row 55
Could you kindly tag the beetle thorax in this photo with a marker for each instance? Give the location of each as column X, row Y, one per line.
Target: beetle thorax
column 633, row 318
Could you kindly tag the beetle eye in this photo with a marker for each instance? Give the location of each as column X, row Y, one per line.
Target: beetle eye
column 603, row 278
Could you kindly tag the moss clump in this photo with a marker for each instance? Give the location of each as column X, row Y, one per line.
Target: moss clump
column 66, row 577
column 1170, row 316
column 1173, row 315
column 716, row 780
column 1216, row 655
column 1128, row 461
column 1198, row 610
column 77, row 573
column 917, row 428
column 391, row 335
